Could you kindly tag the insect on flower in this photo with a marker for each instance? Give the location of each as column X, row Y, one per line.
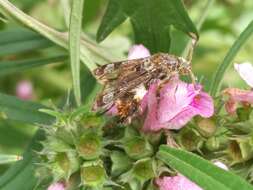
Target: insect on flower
column 125, row 82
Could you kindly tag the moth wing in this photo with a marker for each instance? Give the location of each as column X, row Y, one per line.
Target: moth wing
column 115, row 90
column 115, row 70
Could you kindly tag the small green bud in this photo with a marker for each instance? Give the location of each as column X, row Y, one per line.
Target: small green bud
column 143, row 170
column 212, row 144
column 189, row 139
column 89, row 146
column 64, row 164
column 53, row 144
column 138, row 147
column 120, row 163
column 244, row 113
column 206, row 127
column 92, row 121
column 64, row 135
column 240, row 149
column 93, row 174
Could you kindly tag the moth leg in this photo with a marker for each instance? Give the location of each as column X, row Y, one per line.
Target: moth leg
column 189, row 57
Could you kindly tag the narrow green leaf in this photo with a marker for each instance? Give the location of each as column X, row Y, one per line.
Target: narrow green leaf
column 21, row 175
column 227, row 61
column 202, row 172
column 6, row 159
column 21, row 40
column 59, row 38
column 9, row 67
column 151, row 21
column 75, row 30
column 24, row 111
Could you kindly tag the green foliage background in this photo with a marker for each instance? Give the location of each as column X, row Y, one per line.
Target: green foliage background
column 27, row 55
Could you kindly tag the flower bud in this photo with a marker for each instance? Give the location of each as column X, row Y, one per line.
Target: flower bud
column 189, row 139
column 244, row 113
column 240, row 149
column 138, row 147
column 92, row 121
column 212, row 144
column 89, row 146
column 64, row 135
column 93, row 174
column 52, row 144
column 206, row 127
column 143, row 170
column 63, row 164
column 120, row 163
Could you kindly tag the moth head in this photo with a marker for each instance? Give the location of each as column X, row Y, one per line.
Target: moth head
column 185, row 66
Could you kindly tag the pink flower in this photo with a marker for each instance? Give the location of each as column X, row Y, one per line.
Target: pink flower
column 138, row 51
column 56, row 186
column 24, row 90
column 178, row 182
column 237, row 96
column 174, row 105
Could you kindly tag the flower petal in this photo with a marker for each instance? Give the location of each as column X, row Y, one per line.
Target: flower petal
column 231, row 106
column 174, row 97
column 150, row 103
column 239, row 95
column 181, row 118
column 138, row 51
column 203, row 104
column 245, row 70
column 24, row 90
column 56, row 186
column 178, row 182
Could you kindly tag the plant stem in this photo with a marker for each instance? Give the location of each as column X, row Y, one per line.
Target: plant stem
column 59, row 38
column 202, row 17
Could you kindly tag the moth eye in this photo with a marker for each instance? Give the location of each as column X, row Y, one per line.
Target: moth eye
column 109, row 68
column 98, row 71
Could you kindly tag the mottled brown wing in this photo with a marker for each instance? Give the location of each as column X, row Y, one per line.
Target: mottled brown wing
column 114, row 71
column 121, row 78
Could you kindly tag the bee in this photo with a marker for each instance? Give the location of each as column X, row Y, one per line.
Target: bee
column 126, row 82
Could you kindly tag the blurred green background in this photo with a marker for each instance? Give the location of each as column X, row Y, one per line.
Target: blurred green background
column 51, row 83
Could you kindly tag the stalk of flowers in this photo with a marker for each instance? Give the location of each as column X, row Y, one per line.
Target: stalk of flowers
column 77, row 147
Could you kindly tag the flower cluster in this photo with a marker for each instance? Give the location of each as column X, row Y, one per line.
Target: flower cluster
column 91, row 151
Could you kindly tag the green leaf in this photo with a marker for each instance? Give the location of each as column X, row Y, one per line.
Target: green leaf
column 75, row 30
column 21, row 40
column 9, row 67
column 24, row 111
column 227, row 61
column 5, row 159
column 59, row 38
column 151, row 21
column 21, row 175
column 202, row 172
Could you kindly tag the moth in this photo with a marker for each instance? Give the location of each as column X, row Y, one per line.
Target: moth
column 125, row 82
